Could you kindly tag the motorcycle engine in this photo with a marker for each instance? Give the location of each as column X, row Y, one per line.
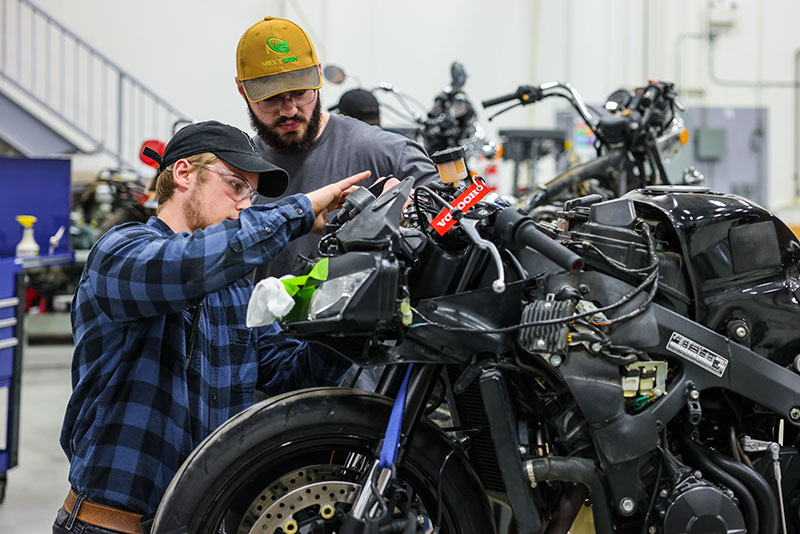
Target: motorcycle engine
column 724, row 262
column 694, row 506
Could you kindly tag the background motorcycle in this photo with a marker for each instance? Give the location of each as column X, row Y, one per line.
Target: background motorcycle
column 117, row 196
column 635, row 133
column 644, row 359
column 450, row 122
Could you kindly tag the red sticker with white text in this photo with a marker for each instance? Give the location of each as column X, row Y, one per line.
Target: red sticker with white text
column 444, row 220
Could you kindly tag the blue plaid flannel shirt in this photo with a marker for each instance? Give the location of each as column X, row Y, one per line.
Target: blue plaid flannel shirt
column 140, row 404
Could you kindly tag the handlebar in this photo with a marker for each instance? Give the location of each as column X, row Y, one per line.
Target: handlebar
column 528, row 94
column 514, row 226
column 499, row 100
column 401, row 97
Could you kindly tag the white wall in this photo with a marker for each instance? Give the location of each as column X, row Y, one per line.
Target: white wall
column 184, row 50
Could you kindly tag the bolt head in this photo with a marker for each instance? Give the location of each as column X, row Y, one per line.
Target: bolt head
column 540, row 343
column 741, row 332
column 627, row 505
column 555, row 360
column 694, row 394
column 794, row 413
column 663, row 494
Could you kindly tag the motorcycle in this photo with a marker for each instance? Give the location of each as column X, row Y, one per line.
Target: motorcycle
column 116, row 196
column 450, row 122
column 635, row 134
column 631, row 367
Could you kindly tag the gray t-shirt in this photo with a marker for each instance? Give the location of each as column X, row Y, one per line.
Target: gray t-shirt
column 346, row 146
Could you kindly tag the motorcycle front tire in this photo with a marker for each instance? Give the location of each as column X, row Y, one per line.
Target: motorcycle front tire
column 283, row 432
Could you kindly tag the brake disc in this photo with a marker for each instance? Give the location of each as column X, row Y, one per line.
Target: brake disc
column 319, row 486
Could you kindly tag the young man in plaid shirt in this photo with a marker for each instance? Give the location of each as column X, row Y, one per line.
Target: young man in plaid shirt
column 162, row 353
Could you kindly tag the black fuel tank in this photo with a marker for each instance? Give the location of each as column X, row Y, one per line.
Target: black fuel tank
column 742, row 264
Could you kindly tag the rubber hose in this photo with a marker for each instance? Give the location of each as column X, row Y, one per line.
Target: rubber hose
column 582, row 471
column 766, row 500
column 719, row 475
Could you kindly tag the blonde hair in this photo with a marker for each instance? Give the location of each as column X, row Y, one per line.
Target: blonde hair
column 165, row 184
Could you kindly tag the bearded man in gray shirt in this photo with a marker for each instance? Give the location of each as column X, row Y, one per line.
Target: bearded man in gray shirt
column 279, row 76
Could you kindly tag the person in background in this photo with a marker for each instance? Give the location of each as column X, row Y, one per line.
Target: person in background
column 162, row 352
column 359, row 104
column 279, row 77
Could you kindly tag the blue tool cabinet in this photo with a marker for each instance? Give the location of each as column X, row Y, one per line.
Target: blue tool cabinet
column 11, row 317
column 39, row 187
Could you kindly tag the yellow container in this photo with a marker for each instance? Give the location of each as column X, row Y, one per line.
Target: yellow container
column 27, row 246
column 450, row 164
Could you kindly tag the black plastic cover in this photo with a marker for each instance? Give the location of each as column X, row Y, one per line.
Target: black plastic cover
column 618, row 212
column 739, row 260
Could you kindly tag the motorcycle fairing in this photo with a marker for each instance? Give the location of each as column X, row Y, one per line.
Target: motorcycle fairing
column 739, row 258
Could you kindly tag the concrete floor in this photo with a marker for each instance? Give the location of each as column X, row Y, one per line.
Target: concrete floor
column 38, row 485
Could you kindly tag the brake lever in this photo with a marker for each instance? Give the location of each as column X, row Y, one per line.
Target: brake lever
column 512, row 106
column 470, row 228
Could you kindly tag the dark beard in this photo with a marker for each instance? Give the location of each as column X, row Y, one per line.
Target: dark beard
column 295, row 146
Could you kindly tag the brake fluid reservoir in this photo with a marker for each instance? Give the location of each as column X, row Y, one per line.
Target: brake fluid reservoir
column 450, row 164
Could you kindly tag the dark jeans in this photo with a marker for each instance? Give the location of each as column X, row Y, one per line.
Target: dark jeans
column 62, row 526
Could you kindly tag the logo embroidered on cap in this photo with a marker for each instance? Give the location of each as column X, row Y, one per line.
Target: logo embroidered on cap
column 277, row 46
column 250, row 142
column 274, row 44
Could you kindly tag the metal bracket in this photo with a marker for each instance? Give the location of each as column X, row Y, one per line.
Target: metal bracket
column 693, row 404
column 755, row 445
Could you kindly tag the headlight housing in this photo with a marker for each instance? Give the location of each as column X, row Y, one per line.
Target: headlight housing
column 332, row 296
column 671, row 141
column 358, row 297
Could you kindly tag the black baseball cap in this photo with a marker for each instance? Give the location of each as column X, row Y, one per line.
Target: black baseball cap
column 228, row 143
column 360, row 104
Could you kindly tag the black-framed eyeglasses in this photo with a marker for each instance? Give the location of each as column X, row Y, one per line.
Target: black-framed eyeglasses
column 298, row 98
column 236, row 187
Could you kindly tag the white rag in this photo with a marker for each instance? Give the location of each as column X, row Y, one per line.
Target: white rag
column 268, row 301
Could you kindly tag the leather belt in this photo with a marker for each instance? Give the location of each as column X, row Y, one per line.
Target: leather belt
column 103, row 516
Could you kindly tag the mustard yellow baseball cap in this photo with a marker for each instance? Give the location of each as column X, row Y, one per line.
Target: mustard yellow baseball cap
column 275, row 55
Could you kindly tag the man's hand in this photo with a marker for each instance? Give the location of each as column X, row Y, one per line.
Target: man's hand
column 331, row 197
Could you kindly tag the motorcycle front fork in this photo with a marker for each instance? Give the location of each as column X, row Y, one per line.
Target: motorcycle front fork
column 420, row 385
